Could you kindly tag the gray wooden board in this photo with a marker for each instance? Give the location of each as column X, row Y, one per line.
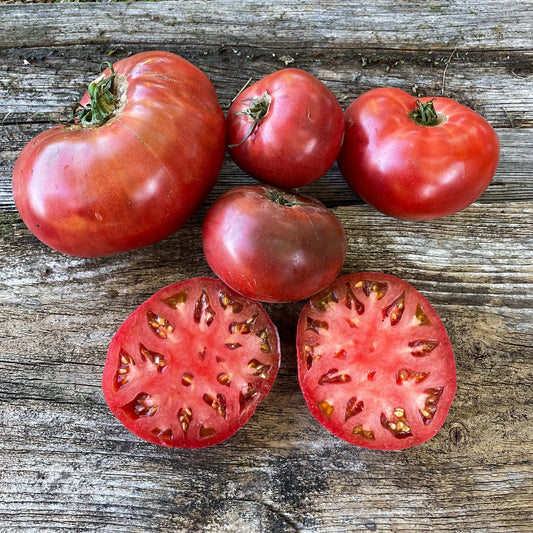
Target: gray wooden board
column 67, row 464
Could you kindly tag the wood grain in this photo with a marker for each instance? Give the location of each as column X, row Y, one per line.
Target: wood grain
column 66, row 464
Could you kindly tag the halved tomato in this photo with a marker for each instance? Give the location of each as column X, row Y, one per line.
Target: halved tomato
column 190, row 365
column 375, row 363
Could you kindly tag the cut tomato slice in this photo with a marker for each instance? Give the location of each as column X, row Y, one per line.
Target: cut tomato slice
column 190, row 365
column 375, row 363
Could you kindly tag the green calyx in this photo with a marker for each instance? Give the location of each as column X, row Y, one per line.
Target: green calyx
column 425, row 114
column 102, row 102
column 257, row 110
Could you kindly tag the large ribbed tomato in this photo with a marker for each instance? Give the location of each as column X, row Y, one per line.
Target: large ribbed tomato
column 143, row 153
column 416, row 159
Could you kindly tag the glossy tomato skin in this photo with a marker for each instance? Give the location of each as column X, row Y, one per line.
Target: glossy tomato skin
column 415, row 172
column 95, row 191
column 190, row 365
column 273, row 245
column 375, row 363
column 298, row 140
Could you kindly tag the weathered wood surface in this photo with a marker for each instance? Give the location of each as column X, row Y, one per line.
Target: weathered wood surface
column 67, row 464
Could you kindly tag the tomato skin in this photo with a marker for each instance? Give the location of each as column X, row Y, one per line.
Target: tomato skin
column 270, row 251
column 375, row 363
column 415, row 172
column 298, row 140
column 136, row 179
column 190, row 365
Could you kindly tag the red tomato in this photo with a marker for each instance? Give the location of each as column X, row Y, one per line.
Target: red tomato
column 190, row 365
column 286, row 129
column 97, row 189
column 413, row 171
column 273, row 245
column 375, row 364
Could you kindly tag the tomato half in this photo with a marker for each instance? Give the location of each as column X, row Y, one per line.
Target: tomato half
column 273, row 245
column 286, row 129
column 375, row 364
column 139, row 160
column 416, row 159
column 190, row 365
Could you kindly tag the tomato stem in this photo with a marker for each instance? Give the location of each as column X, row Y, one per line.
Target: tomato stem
column 425, row 114
column 257, row 110
column 102, row 102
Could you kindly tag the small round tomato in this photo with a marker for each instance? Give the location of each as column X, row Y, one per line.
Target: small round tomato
column 286, row 129
column 145, row 149
column 190, row 365
column 271, row 244
column 375, row 364
column 416, row 159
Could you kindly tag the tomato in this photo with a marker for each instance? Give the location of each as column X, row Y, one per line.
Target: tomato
column 273, row 245
column 286, row 129
column 142, row 155
column 190, row 365
column 416, row 159
column 375, row 364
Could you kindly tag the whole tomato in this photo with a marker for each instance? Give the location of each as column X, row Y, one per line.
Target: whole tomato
column 416, row 159
column 273, row 245
column 145, row 149
column 286, row 129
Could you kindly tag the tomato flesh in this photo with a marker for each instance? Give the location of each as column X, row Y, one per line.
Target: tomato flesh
column 190, row 365
column 375, row 363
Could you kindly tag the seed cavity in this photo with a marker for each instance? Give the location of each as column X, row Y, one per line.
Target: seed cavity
column 395, row 309
column 258, row 368
column 379, row 288
column 140, row 407
column 352, row 301
column 423, row 347
column 224, row 379
column 245, row 327
column 309, row 355
column 325, row 408
column 155, row 358
column 176, row 299
column 316, row 325
column 165, row 435
column 233, row 345
column 184, row 418
column 204, row 432
column 186, row 379
column 203, row 310
column 265, row 341
column 421, row 316
column 430, row 408
column 353, row 407
column 366, row 434
column 410, row 375
column 218, row 403
column 397, row 424
column 323, row 301
column 160, row 325
column 122, row 376
column 247, row 395
column 226, row 301
column 331, row 377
